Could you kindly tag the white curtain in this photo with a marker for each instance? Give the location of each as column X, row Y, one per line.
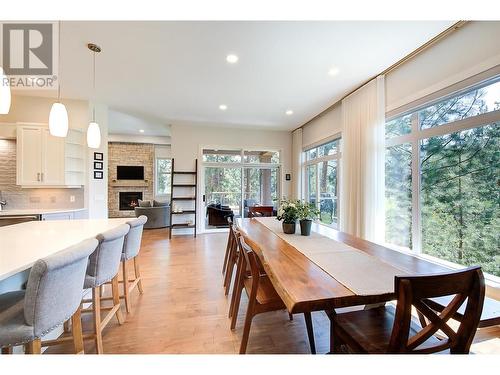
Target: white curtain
column 363, row 162
column 297, row 164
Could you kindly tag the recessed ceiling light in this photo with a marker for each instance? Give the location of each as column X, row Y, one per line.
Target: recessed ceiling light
column 289, row 112
column 141, row 131
column 223, row 107
column 232, row 59
column 333, row 72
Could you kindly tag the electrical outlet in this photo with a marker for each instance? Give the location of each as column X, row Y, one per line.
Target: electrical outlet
column 71, row 198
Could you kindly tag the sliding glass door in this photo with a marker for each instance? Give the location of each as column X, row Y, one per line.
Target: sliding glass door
column 235, row 180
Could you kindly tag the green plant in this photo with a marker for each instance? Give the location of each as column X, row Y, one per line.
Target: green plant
column 307, row 211
column 288, row 211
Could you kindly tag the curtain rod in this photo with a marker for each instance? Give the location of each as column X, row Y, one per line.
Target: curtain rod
column 411, row 55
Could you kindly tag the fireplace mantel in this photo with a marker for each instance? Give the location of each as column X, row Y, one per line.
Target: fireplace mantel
column 129, row 183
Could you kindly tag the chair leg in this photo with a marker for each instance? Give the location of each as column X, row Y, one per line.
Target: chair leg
column 34, row 347
column 229, row 273
column 248, row 324
column 67, row 327
column 76, row 322
column 310, row 331
column 238, row 290
column 239, row 278
column 116, row 299
column 7, row 350
column 226, row 255
column 96, row 302
column 138, row 275
column 125, row 286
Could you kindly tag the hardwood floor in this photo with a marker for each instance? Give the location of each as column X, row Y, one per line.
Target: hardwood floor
column 184, row 310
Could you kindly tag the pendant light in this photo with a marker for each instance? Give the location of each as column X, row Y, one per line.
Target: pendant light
column 4, row 93
column 58, row 117
column 93, row 131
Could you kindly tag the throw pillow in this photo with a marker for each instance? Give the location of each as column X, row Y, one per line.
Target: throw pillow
column 159, row 204
column 144, row 203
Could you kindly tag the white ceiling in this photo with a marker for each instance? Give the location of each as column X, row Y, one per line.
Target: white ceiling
column 177, row 71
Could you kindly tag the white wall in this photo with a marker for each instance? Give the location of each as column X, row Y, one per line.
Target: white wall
column 470, row 50
column 131, row 138
column 96, row 191
column 187, row 140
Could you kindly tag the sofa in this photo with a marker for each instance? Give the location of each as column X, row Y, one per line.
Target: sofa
column 158, row 216
column 218, row 214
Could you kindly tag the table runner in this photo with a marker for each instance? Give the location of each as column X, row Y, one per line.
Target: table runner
column 358, row 271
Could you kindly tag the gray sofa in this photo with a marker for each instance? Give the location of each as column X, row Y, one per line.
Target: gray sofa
column 158, row 217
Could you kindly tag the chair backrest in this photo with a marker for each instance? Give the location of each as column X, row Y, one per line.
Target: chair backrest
column 251, row 262
column 105, row 260
column 258, row 211
column 54, row 289
column 132, row 241
column 465, row 285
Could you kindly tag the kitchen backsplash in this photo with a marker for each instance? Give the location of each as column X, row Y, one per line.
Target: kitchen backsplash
column 18, row 198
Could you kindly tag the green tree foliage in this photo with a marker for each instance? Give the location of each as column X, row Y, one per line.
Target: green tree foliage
column 460, row 185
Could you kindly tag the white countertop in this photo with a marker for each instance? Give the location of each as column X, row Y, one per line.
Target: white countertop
column 37, row 211
column 21, row 245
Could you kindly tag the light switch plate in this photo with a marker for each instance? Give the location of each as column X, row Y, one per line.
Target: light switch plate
column 71, row 198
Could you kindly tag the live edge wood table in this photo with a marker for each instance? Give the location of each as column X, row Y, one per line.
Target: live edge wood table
column 306, row 287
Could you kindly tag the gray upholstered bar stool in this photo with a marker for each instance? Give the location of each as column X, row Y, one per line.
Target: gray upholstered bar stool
column 53, row 295
column 104, row 264
column 131, row 247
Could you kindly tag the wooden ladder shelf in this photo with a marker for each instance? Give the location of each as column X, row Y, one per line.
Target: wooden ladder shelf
column 175, row 185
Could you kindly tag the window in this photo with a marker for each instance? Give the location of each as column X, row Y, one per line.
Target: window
column 322, row 180
column 163, row 176
column 443, row 179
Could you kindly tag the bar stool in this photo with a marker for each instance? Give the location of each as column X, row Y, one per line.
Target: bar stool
column 131, row 247
column 52, row 296
column 104, row 264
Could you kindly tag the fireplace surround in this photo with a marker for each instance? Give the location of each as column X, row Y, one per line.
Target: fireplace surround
column 129, row 200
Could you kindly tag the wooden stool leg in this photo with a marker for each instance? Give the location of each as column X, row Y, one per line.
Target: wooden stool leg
column 138, row 275
column 96, row 302
column 34, row 347
column 116, row 298
column 310, row 331
column 125, row 286
column 7, row 350
column 76, row 322
column 290, row 316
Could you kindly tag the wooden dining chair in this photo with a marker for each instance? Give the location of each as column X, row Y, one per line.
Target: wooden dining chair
column 259, row 211
column 232, row 259
column 262, row 297
column 228, row 245
column 389, row 330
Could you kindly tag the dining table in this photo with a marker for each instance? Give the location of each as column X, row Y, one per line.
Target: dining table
column 329, row 269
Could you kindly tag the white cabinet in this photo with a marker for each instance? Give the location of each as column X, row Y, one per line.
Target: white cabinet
column 45, row 160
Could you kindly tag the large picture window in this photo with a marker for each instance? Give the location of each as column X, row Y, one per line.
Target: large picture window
column 322, row 171
column 443, row 179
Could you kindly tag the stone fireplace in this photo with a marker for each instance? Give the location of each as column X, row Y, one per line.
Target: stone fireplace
column 124, row 194
column 129, row 199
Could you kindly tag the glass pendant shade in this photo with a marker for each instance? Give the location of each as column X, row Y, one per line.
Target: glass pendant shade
column 4, row 94
column 94, row 135
column 58, row 120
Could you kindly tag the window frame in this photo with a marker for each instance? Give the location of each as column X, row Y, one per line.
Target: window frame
column 414, row 138
column 169, row 174
column 337, row 156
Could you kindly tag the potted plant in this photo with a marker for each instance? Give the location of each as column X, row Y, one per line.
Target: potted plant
column 288, row 213
column 306, row 213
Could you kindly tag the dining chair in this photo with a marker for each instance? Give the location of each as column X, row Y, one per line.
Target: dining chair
column 392, row 330
column 53, row 294
column 259, row 211
column 104, row 264
column 232, row 259
column 131, row 248
column 262, row 297
column 228, row 245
